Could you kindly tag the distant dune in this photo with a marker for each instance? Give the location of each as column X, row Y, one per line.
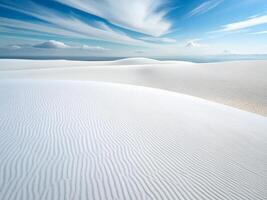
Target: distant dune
column 92, row 140
column 241, row 84
column 21, row 64
column 133, row 61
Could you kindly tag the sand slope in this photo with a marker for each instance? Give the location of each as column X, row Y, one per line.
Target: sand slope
column 88, row 140
column 241, row 84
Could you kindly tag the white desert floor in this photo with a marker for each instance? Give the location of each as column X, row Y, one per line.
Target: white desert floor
column 66, row 139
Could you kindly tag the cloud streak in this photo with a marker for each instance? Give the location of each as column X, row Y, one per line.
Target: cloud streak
column 94, row 48
column 254, row 21
column 259, row 33
column 159, row 39
column 145, row 16
column 68, row 26
column 204, row 7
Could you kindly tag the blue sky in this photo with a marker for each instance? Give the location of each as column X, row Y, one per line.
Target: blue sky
column 132, row 28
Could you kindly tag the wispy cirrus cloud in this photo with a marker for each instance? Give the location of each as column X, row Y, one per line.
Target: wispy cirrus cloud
column 145, row 16
column 94, row 48
column 250, row 22
column 56, row 23
column 204, row 7
column 14, row 47
column 259, row 33
column 11, row 26
column 159, row 39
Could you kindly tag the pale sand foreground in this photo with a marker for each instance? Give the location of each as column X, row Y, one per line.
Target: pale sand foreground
column 241, row 84
column 89, row 140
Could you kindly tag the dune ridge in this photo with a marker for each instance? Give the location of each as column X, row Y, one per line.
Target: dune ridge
column 79, row 140
column 134, row 61
column 240, row 84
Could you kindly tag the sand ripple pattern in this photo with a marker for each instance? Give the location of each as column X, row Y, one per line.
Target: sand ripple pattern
column 66, row 140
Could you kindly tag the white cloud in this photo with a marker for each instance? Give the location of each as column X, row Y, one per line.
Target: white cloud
column 259, row 33
column 159, row 39
column 257, row 20
column 204, row 7
column 193, row 43
column 14, row 47
column 137, row 15
column 227, row 52
column 52, row 44
column 94, row 48
column 168, row 40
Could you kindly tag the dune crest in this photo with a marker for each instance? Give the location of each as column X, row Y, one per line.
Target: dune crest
column 134, row 61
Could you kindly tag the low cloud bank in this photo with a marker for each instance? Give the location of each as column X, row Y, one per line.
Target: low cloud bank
column 52, row 44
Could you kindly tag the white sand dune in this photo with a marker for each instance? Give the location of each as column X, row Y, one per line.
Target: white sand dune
column 89, row 140
column 22, row 64
column 134, row 61
column 241, row 84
